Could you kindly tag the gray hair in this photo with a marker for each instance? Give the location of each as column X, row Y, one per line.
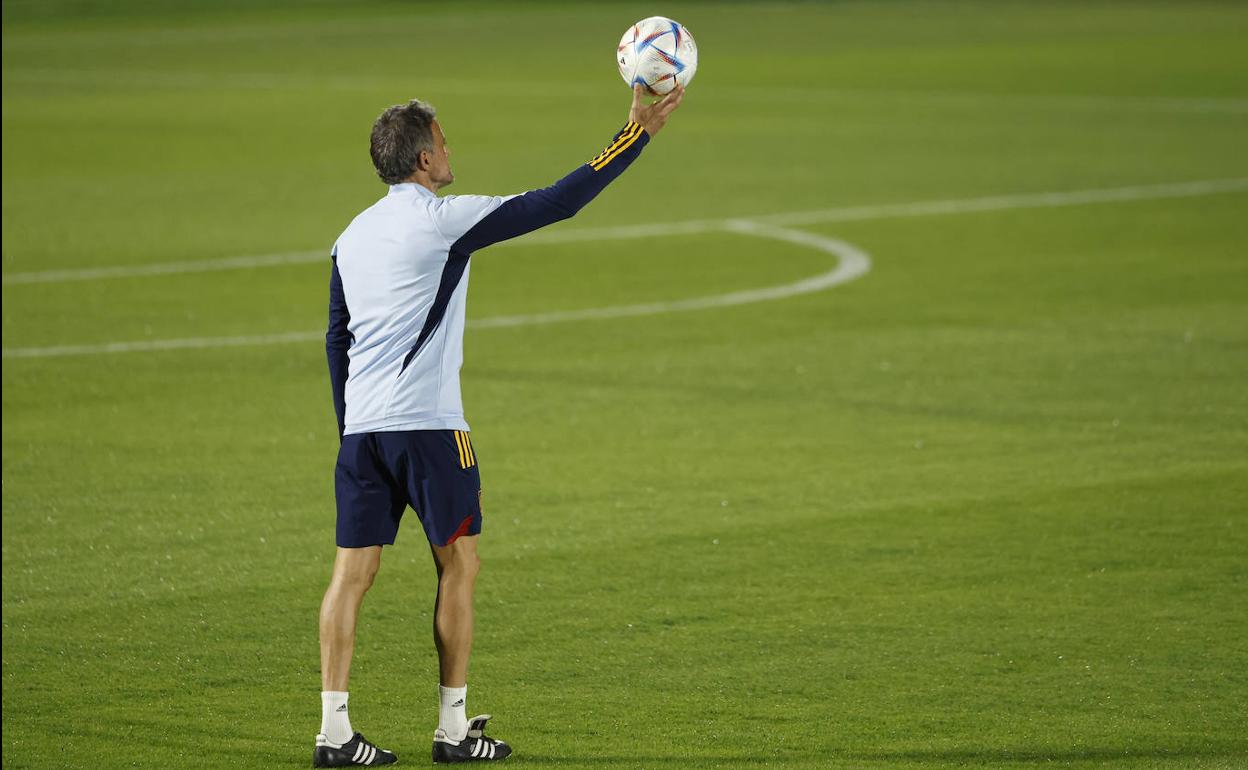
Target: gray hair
column 399, row 136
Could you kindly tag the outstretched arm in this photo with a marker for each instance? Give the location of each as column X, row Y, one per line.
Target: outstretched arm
column 468, row 228
column 537, row 208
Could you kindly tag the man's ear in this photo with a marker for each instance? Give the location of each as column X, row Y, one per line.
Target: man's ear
column 423, row 161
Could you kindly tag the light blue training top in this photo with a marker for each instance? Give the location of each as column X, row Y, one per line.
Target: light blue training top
column 399, row 286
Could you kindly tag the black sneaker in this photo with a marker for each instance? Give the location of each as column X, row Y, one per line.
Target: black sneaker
column 357, row 751
column 475, row 747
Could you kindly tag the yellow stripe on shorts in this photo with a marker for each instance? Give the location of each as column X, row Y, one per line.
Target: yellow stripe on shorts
column 459, row 444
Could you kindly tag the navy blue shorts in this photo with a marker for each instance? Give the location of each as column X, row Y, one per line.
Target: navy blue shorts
column 380, row 474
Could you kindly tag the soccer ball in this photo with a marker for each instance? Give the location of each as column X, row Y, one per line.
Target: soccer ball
column 657, row 53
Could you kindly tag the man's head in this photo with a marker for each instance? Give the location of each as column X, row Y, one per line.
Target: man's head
column 407, row 145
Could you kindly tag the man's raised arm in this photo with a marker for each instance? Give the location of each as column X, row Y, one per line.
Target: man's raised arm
column 537, row 208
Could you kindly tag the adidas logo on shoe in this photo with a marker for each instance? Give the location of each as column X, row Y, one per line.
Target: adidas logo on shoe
column 357, row 751
column 476, row 746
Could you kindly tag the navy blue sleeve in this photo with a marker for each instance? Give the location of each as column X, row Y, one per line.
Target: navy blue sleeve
column 337, row 343
column 537, row 208
column 530, row 211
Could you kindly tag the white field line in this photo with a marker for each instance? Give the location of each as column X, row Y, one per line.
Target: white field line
column 193, row 79
column 1007, row 202
column 851, row 263
column 263, row 81
column 151, row 346
column 693, row 227
column 976, row 99
column 165, row 268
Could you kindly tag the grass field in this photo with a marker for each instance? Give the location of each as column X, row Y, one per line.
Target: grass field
column 983, row 506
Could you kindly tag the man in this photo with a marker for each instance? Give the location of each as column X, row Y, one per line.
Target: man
column 395, row 345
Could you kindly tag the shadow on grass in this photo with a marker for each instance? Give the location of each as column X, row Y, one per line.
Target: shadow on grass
column 1006, row 756
column 969, row 756
column 640, row 760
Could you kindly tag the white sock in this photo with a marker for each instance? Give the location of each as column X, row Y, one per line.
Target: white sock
column 335, row 724
column 451, row 717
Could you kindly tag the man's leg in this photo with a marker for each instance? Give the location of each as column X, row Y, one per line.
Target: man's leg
column 457, row 565
column 354, row 570
column 338, row 745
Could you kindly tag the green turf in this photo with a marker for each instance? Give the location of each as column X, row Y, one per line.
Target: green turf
column 983, row 507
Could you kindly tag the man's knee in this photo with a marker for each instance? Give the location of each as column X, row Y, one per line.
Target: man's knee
column 459, row 560
column 359, row 580
column 355, row 569
column 464, row 566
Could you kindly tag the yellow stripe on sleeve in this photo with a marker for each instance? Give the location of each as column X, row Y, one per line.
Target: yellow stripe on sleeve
column 623, row 135
column 632, row 137
column 630, row 132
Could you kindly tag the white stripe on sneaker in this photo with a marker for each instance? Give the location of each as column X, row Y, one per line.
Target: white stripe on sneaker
column 359, row 752
column 372, row 754
column 491, row 751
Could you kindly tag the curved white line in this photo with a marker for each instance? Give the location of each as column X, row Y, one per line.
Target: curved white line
column 852, row 263
column 691, row 227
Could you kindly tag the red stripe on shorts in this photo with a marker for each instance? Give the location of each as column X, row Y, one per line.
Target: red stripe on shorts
column 463, row 530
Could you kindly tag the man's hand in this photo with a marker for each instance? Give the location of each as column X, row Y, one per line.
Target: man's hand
column 653, row 116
